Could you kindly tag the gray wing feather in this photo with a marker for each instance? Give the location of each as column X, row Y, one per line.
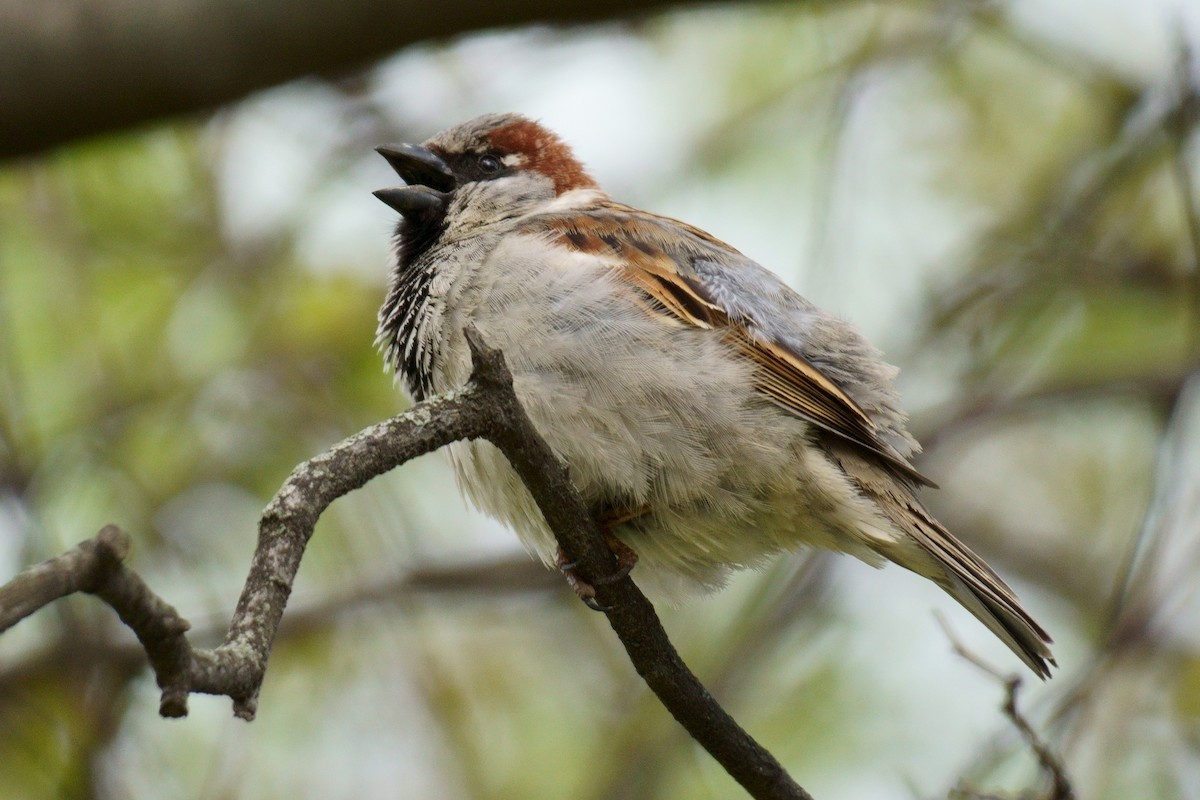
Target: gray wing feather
column 833, row 346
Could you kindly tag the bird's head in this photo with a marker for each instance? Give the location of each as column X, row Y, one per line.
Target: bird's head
column 491, row 168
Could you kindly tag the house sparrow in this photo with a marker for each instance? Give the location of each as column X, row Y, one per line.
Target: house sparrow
column 710, row 415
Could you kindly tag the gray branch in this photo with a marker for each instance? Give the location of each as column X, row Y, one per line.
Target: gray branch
column 75, row 68
column 486, row 407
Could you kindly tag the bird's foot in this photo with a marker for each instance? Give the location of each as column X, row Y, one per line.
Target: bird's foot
column 626, row 559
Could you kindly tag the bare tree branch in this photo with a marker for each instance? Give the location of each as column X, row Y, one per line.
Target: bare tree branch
column 484, row 580
column 80, row 569
column 486, row 408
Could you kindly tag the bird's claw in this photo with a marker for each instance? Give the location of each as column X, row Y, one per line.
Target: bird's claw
column 626, row 558
column 595, row 605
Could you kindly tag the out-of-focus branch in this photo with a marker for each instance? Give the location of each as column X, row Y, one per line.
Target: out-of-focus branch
column 1065, row 213
column 1181, row 129
column 77, row 68
column 935, row 428
column 486, row 407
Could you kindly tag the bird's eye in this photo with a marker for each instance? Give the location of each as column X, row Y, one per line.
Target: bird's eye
column 489, row 164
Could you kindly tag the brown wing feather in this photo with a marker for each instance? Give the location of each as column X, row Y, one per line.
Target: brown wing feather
column 652, row 266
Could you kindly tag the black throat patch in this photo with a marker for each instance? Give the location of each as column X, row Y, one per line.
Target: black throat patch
column 406, row 338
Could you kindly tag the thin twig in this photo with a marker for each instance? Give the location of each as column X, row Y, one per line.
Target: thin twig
column 1049, row 762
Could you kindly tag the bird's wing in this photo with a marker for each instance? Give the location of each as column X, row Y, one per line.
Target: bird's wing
column 658, row 258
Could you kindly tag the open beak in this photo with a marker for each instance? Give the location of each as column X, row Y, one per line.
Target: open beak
column 430, row 180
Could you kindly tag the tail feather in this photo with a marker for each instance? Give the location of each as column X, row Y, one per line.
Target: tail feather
column 928, row 549
column 1011, row 624
column 981, row 591
column 970, row 581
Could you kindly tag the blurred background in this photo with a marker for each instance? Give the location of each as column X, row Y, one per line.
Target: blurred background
column 1003, row 195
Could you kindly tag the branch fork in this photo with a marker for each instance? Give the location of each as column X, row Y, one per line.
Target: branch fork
column 486, row 407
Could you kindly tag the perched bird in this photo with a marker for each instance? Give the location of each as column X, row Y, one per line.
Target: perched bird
column 710, row 415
